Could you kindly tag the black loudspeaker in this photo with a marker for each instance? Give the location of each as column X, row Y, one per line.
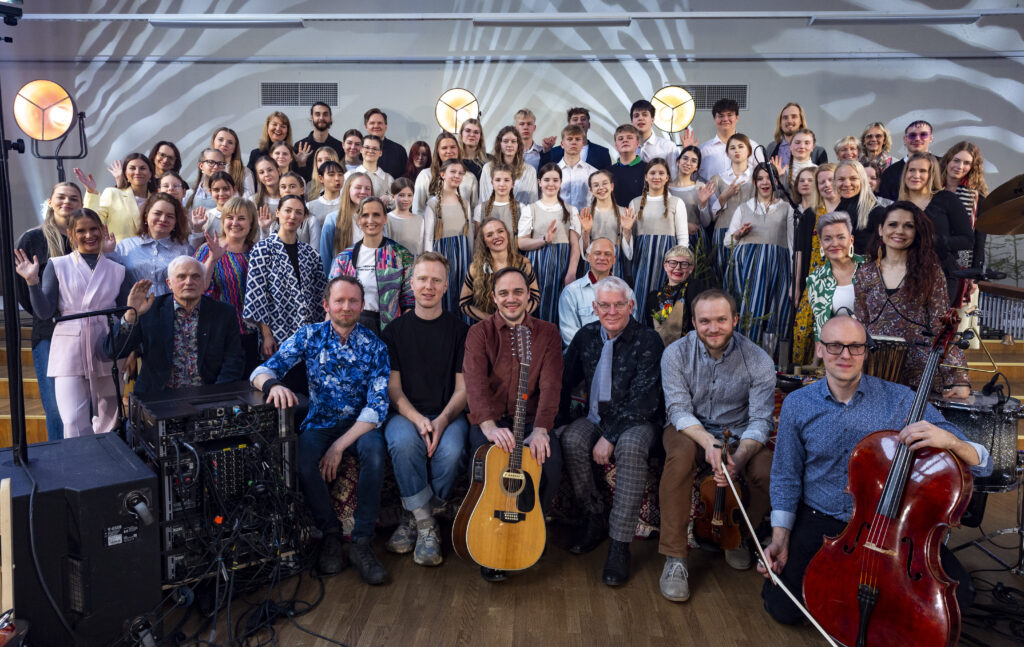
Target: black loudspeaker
column 96, row 539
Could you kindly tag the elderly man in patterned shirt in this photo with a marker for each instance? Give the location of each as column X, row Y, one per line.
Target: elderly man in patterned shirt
column 613, row 358
column 348, row 371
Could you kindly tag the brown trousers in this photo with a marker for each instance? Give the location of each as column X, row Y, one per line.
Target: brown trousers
column 682, row 459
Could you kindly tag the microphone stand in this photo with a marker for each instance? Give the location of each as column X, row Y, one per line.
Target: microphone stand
column 784, row 351
column 111, row 314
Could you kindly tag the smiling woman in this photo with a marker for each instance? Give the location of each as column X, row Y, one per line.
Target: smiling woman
column 163, row 236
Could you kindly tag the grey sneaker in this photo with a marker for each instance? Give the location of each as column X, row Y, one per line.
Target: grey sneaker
column 739, row 558
column 404, row 537
column 674, row 584
column 428, row 544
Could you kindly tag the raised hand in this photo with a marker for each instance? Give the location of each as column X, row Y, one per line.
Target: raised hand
column 26, row 269
column 627, row 219
column 265, row 218
column 217, row 250
column 586, row 220
column 548, row 143
column 552, row 231
column 733, row 189
column 87, row 180
column 199, row 219
column 140, row 299
column 687, row 138
column 115, row 169
column 704, row 193
column 779, row 166
column 109, row 242
column 302, row 153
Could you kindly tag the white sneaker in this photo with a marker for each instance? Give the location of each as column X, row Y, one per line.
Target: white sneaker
column 404, row 537
column 674, row 583
column 428, row 543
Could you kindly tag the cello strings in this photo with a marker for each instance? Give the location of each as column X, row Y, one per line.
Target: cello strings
column 764, row 560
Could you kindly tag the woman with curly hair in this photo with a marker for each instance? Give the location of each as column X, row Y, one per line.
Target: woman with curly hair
column 492, row 251
column 902, row 293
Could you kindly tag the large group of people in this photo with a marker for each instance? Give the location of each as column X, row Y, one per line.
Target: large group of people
column 657, row 283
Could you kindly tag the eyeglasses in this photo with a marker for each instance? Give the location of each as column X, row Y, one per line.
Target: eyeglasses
column 618, row 305
column 835, row 348
column 215, row 164
column 915, row 136
column 672, row 265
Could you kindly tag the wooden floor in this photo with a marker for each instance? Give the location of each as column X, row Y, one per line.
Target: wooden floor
column 562, row 602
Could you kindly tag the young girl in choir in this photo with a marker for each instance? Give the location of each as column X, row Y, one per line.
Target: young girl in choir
column 446, row 147
column 316, row 182
column 226, row 258
column 82, row 281
column 759, row 272
column 340, row 229
column 801, row 148
column 284, row 157
column 446, row 223
column 173, row 184
column 549, row 234
column 501, row 203
column 406, row 227
column 828, row 198
column 732, row 188
column 211, row 161
column 805, row 239
column 474, row 148
column 603, row 218
column 660, row 224
column 282, row 294
column 226, row 141
column 269, row 178
column 696, row 196
column 419, row 160
column 332, row 179
column 222, row 189
column 120, row 208
column 508, row 150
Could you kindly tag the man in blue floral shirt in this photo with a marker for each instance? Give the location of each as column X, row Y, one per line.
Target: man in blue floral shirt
column 348, row 371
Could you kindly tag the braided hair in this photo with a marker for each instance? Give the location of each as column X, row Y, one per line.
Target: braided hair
column 657, row 161
column 438, row 217
column 435, row 161
column 611, row 196
column 553, row 167
column 496, row 167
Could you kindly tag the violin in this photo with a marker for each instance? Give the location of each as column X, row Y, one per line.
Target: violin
column 880, row 582
column 718, row 516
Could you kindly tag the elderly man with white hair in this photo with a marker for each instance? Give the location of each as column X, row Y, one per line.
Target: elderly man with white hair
column 575, row 303
column 615, row 358
column 184, row 338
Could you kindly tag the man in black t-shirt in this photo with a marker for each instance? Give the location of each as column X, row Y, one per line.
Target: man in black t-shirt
column 426, row 430
column 320, row 115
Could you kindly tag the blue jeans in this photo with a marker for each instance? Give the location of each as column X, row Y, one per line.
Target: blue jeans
column 40, row 358
column 371, row 451
column 410, row 462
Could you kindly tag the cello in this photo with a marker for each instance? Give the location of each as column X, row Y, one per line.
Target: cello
column 881, row 582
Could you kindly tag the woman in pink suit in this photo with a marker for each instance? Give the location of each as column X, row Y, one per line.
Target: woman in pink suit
column 81, row 281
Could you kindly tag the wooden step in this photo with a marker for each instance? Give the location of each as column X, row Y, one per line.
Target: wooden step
column 26, row 331
column 35, row 421
column 26, row 354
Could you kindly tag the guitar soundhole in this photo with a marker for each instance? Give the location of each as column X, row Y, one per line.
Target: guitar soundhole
column 512, row 482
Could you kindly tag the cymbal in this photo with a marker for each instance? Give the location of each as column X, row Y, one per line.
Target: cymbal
column 1013, row 188
column 1006, row 219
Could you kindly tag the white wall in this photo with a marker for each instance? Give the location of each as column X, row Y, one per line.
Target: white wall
column 964, row 79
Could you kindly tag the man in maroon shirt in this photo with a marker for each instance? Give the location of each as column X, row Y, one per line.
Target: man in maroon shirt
column 491, row 376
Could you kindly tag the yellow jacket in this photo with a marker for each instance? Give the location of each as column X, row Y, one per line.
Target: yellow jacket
column 118, row 210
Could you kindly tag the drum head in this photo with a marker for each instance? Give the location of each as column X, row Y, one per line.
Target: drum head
column 977, row 401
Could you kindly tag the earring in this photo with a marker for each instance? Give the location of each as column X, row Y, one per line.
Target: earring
column 822, row 252
column 851, row 251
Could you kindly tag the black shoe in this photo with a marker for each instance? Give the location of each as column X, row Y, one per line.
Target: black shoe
column 616, row 567
column 332, row 555
column 360, row 553
column 590, row 535
column 492, row 574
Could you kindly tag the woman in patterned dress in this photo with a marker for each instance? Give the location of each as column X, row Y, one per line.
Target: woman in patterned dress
column 902, row 293
column 660, row 225
column 805, row 238
column 759, row 275
column 549, row 234
column 830, row 288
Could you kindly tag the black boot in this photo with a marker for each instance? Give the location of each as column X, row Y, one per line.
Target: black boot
column 616, row 567
column 332, row 556
column 369, row 567
column 589, row 535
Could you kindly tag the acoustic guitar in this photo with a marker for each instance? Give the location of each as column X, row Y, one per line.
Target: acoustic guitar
column 500, row 524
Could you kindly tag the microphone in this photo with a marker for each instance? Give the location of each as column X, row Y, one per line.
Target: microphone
column 95, row 313
column 990, row 386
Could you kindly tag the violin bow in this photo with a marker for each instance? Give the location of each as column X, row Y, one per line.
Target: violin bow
column 764, row 560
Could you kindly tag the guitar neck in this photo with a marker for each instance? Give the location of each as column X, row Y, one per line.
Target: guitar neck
column 519, row 423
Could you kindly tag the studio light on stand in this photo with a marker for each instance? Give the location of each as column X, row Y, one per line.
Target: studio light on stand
column 454, row 107
column 673, row 108
column 45, row 112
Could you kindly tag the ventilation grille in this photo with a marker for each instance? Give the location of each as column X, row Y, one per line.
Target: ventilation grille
column 298, row 94
column 705, row 96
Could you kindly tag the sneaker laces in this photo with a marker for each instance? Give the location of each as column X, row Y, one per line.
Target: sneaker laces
column 674, row 566
column 429, row 536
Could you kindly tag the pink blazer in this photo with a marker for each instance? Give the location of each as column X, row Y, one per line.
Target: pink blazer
column 77, row 345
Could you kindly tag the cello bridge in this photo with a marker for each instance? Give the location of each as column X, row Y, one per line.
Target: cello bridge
column 870, row 545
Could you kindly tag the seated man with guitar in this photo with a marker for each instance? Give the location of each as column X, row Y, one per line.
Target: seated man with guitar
column 714, row 379
column 819, row 427
column 513, row 374
column 612, row 358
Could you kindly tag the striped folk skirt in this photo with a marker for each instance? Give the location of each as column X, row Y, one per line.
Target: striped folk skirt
column 456, row 250
column 720, row 254
column 759, row 277
column 550, row 263
column 648, row 261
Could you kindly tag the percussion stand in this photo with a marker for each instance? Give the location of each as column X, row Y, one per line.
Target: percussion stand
column 1018, row 568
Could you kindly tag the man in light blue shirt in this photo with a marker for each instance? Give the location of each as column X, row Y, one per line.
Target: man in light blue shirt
column 576, row 303
column 820, row 425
